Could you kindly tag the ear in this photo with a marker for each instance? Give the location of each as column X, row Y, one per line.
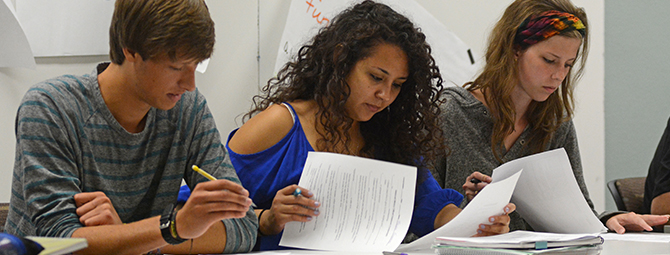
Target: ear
column 131, row 55
column 517, row 51
column 517, row 54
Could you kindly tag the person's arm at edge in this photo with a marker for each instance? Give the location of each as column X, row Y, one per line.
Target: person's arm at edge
column 619, row 222
column 661, row 204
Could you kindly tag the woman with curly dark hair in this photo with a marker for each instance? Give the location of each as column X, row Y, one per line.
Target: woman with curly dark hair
column 366, row 85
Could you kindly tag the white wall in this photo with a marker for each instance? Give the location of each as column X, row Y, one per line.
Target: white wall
column 637, row 74
column 248, row 33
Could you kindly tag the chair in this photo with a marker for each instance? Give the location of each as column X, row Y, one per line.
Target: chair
column 628, row 193
column 4, row 209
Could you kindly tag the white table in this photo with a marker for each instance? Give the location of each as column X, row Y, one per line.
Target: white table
column 634, row 248
column 609, row 248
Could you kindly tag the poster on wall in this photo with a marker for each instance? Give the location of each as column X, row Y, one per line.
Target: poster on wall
column 66, row 27
column 306, row 17
column 14, row 48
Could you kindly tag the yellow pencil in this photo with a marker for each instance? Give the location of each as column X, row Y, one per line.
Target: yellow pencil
column 203, row 173
column 210, row 177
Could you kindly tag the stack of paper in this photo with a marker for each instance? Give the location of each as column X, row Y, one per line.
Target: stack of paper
column 576, row 250
column 521, row 239
column 522, row 242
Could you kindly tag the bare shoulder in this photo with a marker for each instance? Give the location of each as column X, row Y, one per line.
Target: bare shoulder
column 305, row 109
column 262, row 131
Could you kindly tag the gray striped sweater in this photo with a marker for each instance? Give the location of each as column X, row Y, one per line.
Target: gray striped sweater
column 67, row 141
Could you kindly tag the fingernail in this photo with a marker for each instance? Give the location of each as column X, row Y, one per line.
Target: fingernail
column 479, row 231
column 316, row 203
column 309, row 218
column 506, row 209
column 492, row 219
column 482, row 226
column 316, row 212
column 310, row 194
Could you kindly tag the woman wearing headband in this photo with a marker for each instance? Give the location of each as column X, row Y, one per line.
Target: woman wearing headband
column 522, row 102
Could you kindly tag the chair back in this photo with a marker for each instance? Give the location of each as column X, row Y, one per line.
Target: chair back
column 628, row 193
column 4, row 209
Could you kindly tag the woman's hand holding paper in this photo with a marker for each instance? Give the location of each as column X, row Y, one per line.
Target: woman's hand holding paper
column 288, row 205
column 499, row 224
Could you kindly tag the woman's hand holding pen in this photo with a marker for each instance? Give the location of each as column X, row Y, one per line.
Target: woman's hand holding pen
column 211, row 202
column 292, row 203
column 474, row 183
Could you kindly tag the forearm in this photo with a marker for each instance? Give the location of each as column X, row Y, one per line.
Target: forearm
column 265, row 226
column 661, row 204
column 144, row 236
column 446, row 214
column 211, row 242
column 132, row 238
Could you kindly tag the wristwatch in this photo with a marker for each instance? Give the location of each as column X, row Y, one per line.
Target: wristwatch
column 168, row 225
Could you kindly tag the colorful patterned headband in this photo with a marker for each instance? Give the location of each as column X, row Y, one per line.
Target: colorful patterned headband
column 540, row 27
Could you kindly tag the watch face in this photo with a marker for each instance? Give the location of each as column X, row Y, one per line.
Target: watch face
column 165, row 218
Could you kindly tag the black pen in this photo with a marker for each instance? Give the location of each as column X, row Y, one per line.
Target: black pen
column 475, row 180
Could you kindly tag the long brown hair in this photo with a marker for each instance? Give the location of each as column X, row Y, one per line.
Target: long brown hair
column 408, row 129
column 500, row 76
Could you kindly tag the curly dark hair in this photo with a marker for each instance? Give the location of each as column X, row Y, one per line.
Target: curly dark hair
column 319, row 73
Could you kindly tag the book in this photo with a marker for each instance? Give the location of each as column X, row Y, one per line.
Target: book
column 522, row 239
column 58, row 246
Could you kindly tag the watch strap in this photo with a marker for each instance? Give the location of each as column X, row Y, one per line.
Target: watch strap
column 169, row 225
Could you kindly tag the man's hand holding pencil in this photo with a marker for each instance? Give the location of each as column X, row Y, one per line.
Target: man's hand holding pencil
column 209, row 203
